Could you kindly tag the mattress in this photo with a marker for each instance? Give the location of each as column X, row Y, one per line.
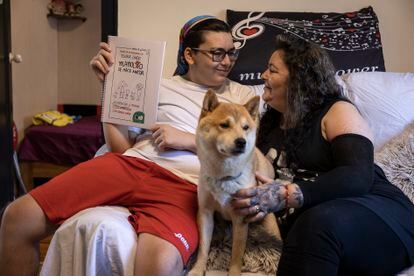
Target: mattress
column 68, row 145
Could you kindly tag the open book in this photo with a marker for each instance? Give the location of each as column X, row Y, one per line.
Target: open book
column 130, row 91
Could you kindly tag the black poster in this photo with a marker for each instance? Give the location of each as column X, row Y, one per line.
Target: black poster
column 352, row 39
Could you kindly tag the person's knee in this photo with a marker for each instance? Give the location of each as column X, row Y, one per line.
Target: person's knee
column 24, row 218
column 322, row 222
column 15, row 215
column 166, row 263
column 161, row 262
column 160, row 258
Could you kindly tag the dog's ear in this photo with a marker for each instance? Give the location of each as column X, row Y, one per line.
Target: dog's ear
column 252, row 106
column 210, row 103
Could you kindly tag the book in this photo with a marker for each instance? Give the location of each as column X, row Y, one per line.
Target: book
column 130, row 91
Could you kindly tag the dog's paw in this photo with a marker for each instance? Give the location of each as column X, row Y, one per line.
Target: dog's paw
column 234, row 271
column 196, row 272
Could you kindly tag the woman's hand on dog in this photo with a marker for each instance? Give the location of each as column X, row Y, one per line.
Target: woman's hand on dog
column 168, row 137
column 256, row 202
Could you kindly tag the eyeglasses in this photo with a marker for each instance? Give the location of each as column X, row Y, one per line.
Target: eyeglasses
column 217, row 55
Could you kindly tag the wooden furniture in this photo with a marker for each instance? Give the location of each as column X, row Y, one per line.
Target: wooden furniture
column 32, row 170
column 47, row 151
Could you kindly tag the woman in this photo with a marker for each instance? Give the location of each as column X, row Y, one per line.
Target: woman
column 155, row 176
column 339, row 214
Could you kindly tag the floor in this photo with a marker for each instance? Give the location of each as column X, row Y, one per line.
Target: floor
column 43, row 246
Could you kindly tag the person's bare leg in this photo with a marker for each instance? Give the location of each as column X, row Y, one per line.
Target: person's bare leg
column 156, row 256
column 23, row 225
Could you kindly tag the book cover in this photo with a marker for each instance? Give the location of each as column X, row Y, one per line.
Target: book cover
column 130, row 91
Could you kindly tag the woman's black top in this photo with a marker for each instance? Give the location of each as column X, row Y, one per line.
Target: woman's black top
column 342, row 168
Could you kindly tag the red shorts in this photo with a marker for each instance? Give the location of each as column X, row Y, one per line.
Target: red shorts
column 160, row 202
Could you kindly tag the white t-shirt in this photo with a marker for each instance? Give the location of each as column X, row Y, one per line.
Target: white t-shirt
column 179, row 105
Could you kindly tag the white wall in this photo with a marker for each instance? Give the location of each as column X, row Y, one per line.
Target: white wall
column 56, row 53
column 77, row 44
column 162, row 20
column 35, row 80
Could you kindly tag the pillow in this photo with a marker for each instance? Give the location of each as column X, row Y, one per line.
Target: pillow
column 351, row 39
column 385, row 100
column 258, row 90
column 396, row 159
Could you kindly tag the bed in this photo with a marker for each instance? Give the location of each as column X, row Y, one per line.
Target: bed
column 47, row 150
column 384, row 99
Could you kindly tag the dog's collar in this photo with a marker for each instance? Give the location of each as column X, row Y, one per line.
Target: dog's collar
column 230, row 177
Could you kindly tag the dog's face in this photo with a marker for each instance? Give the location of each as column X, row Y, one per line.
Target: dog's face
column 228, row 129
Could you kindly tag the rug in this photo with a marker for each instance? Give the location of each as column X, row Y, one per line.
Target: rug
column 262, row 250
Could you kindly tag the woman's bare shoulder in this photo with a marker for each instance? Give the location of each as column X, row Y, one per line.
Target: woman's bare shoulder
column 344, row 118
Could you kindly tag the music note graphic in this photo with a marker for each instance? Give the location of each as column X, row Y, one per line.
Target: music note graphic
column 244, row 31
column 333, row 32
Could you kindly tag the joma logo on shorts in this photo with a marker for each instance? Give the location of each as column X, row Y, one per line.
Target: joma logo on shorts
column 183, row 240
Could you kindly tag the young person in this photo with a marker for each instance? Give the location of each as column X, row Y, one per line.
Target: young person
column 340, row 214
column 155, row 177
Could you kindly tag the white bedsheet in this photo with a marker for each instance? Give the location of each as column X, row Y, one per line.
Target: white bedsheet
column 96, row 241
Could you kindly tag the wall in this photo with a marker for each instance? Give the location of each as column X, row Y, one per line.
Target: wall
column 77, row 44
column 34, row 80
column 159, row 20
column 56, row 54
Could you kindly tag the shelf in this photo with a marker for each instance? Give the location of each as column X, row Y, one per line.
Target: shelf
column 58, row 16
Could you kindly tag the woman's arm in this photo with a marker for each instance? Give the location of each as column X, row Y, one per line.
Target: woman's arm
column 344, row 118
column 352, row 154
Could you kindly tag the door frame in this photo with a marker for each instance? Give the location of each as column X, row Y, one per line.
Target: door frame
column 109, row 18
column 6, row 108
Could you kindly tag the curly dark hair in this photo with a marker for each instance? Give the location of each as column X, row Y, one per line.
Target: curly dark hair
column 311, row 84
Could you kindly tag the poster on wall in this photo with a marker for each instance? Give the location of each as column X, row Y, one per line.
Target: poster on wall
column 352, row 39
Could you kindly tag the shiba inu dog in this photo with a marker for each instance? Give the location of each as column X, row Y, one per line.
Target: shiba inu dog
column 225, row 138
